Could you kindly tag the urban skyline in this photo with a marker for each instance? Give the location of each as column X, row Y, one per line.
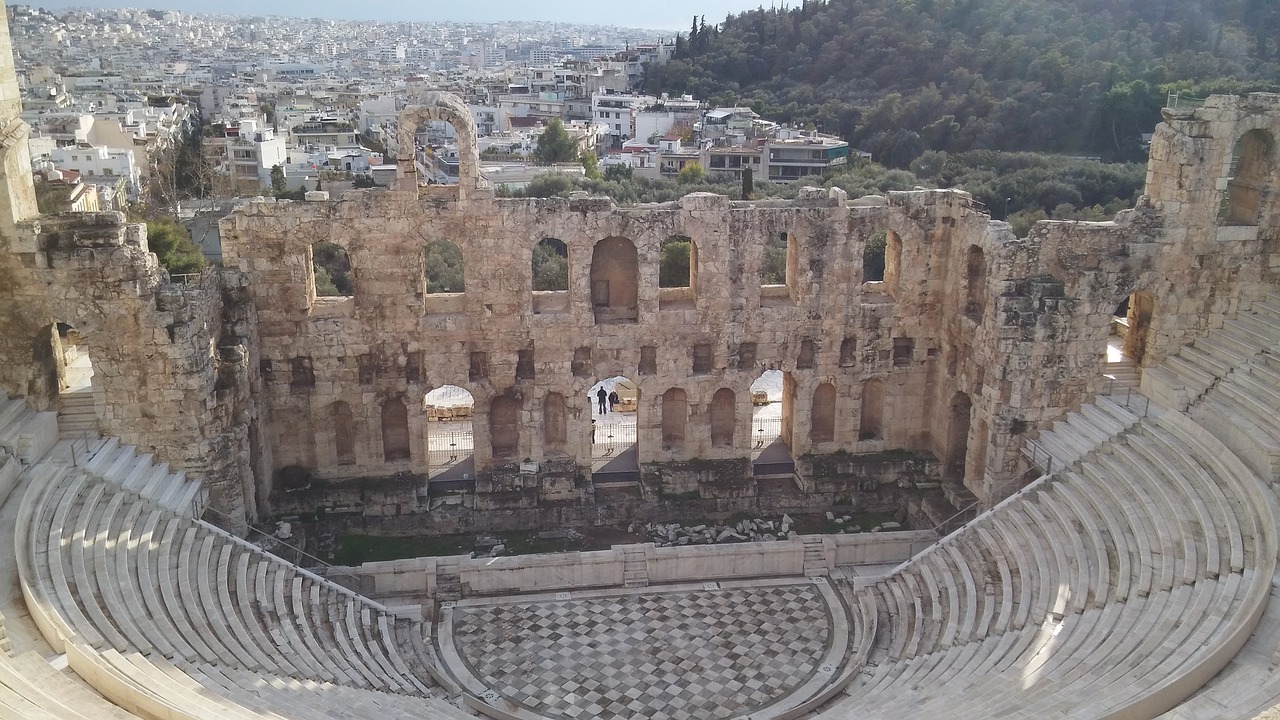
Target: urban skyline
column 660, row 14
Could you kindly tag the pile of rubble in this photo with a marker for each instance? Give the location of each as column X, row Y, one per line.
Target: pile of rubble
column 757, row 530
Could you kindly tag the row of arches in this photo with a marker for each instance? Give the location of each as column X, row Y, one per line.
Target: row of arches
column 504, row 424
column 614, row 271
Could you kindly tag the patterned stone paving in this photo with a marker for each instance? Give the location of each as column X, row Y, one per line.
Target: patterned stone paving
column 695, row 654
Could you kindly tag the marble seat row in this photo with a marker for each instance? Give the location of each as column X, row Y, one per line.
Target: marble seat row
column 1184, row 378
column 114, row 572
column 122, row 465
column 1118, row 585
column 1077, row 434
column 31, row 688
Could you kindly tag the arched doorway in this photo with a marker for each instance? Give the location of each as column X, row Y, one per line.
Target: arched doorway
column 450, row 437
column 615, row 411
column 1127, row 341
column 771, row 427
column 723, row 417
column 822, row 422
column 62, row 354
column 395, row 430
column 1251, row 162
column 871, row 419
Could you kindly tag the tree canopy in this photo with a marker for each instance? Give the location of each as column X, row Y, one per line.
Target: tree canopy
column 555, row 145
column 173, row 246
column 900, row 77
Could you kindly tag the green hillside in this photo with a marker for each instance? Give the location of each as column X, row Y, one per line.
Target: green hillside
column 899, row 77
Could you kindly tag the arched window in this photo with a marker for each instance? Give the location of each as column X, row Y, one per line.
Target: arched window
column 1251, row 166
column 442, row 268
column 873, row 253
column 555, row 432
column 822, row 426
column 550, row 266
column 615, row 272
column 344, row 432
column 675, row 415
column 395, row 430
column 723, row 418
column 975, row 283
column 504, row 427
column 872, row 410
column 331, row 271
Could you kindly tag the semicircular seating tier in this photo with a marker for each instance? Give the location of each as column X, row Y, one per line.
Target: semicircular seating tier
column 1139, row 572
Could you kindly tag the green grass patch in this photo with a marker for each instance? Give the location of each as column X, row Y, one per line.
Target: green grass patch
column 354, row 550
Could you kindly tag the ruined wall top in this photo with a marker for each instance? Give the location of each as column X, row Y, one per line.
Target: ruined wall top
column 451, row 109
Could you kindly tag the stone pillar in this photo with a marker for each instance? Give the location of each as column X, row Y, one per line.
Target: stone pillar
column 18, row 195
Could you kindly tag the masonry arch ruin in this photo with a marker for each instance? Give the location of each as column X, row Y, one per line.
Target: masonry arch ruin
column 822, row 422
column 549, row 275
column 975, row 282
column 331, row 273
column 395, row 430
column 504, row 427
column 723, row 417
column 958, row 423
column 1139, row 309
column 871, row 418
column 443, row 268
column 615, row 281
column 892, row 263
column 449, row 108
column 1252, row 167
column 675, row 419
column 344, row 432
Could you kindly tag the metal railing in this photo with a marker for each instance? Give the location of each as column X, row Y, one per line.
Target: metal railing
column 939, row 529
column 610, row 440
column 1130, row 399
column 448, row 447
column 185, row 279
column 765, row 431
column 273, row 543
column 1039, row 456
column 1176, row 101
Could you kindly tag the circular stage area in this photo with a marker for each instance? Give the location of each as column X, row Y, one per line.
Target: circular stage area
column 702, row 652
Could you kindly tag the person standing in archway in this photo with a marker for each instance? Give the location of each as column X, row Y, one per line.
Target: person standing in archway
column 602, row 400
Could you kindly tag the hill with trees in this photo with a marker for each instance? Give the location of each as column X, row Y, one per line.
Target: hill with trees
column 902, row 77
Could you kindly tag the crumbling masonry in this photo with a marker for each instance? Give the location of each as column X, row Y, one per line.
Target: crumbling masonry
column 973, row 339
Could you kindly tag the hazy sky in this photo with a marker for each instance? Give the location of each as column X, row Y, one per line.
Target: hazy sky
column 658, row 14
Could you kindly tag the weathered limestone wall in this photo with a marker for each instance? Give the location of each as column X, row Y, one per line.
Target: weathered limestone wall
column 153, row 345
column 473, row 340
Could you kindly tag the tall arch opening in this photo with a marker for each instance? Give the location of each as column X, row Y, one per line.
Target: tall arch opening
column 331, row 274
column 778, row 268
column 822, row 424
column 555, row 423
column 615, row 411
column 395, row 430
column 344, row 433
column 615, row 277
column 975, row 283
column 550, row 273
column 450, row 436
column 1251, row 165
column 871, row 423
column 873, row 258
column 442, row 268
column 771, row 427
column 504, row 427
column 958, row 437
column 724, row 417
column 677, row 272
column 449, row 108
column 892, row 263
column 675, row 419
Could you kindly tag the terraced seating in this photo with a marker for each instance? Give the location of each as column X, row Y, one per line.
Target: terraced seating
column 1074, row 436
column 31, row 688
column 1117, row 586
column 139, row 474
column 124, row 586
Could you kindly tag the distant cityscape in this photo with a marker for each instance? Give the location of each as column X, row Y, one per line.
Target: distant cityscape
column 288, row 104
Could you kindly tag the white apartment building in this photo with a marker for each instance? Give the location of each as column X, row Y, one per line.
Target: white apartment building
column 100, row 165
column 617, row 112
column 247, row 152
